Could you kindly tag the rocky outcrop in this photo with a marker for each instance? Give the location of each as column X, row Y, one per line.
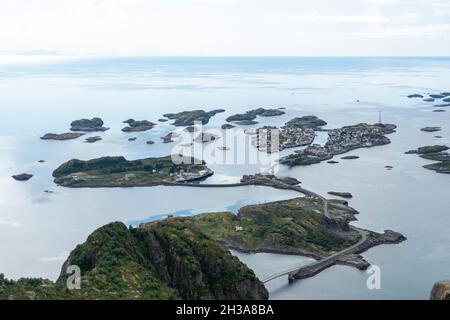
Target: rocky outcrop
column 189, row 118
column 346, row 195
column 62, row 136
column 415, row 96
column 86, row 125
column 440, row 291
column 168, row 138
column 306, row 122
column 246, row 122
column 252, row 114
column 92, row 139
column 431, row 129
column 22, row 177
column 434, row 153
column 138, row 126
column 227, row 126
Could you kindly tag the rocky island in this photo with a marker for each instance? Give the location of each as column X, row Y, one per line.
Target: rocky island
column 86, row 125
column 165, row 260
column 22, row 177
column 62, row 136
column 188, row 118
column 92, row 139
column 119, row 172
column 431, row 129
column 138, row 126
column 341, row 141
column 252, row 114
column 434, row 153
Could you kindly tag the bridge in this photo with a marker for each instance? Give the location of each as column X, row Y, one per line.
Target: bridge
column 316, row 267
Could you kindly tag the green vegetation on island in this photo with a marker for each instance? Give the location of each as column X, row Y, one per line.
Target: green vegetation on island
column 119, row 172
column 290, row 226
column 138, row 126
column 249, row 116
column 188, row 118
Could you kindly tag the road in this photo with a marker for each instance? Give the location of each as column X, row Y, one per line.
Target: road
column 317, row 266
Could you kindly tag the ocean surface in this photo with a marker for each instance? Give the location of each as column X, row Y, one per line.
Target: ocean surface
column 38, row 229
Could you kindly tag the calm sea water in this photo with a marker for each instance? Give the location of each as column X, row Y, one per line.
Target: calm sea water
column 38, row 229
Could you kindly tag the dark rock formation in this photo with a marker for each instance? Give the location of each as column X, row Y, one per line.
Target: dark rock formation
column 138, row 126
column 62, row 136
column 350, row 158
column 306, row 122
column 22, row 177
column 92, row 139
column 188, row 118
column 86, row 125
column 346, row 195
column 252, row 114
column 168, row 138
column 246, row 122
column 415, row 96
column 227, row 126
column 431, row 129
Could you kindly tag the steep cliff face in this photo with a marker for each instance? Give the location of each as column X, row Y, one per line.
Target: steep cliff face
column 164, row 260
column 441, row 291
column 197, row 266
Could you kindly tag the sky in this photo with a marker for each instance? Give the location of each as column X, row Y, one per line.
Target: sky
column 226, row 27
